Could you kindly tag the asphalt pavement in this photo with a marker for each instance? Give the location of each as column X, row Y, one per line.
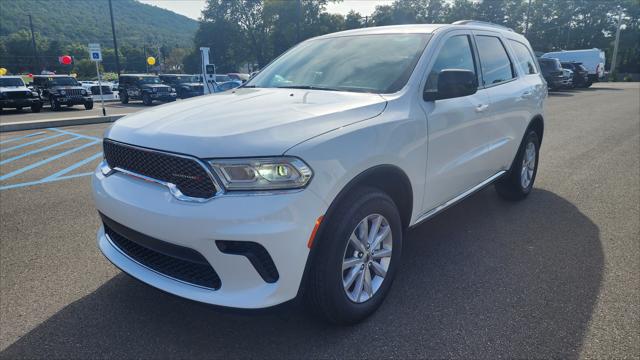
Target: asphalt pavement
column 554, row 276
column 77, row 111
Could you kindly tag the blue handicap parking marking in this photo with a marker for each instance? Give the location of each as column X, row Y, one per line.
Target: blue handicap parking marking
column 63, row 137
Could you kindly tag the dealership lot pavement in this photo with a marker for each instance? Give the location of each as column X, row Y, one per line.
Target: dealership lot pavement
column 557, row 275
column 78, row 111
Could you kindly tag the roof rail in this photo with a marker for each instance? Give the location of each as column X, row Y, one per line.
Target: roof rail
column 482, row 23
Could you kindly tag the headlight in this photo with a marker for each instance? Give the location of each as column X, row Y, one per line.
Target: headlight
column 62, row 92
column 155, row 89
column 173, row 90
column 262, row 173
column 84, row 92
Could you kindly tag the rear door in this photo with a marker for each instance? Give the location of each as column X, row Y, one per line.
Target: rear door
column 456, row 127
column 510, row 97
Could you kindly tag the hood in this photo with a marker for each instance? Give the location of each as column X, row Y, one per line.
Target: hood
column 245, row 122
column 67, row 87
column 191, row 84
column 14, row 89
column 151, row 86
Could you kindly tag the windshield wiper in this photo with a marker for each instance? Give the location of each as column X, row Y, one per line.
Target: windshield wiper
column 310, row 87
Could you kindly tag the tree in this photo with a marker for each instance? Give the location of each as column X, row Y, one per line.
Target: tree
column 353, row 20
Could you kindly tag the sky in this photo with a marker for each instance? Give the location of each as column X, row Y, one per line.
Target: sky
column 192, row 8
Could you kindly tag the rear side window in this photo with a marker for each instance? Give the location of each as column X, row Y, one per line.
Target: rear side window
column 524, row 57
column 496, row 65
column 455, row 54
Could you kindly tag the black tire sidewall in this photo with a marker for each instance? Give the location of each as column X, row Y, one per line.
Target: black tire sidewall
column 339, row 308
column 124, row 98
column 55, row 106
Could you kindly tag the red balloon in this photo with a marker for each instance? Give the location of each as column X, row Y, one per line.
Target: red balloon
column 66, row 59
column 30, row 75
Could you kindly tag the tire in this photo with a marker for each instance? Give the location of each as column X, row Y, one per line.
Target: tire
column 36, row 108
column 19, row 108
column 324, row 287
column 182, row 94
column 146, row 99
column 55, row 105
column 517, row 184
column 124, row 99
column 88, row 105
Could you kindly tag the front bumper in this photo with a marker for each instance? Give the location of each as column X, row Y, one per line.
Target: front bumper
column 163, row 97
column 74, row 100
column 281, row 223
column 14, row 103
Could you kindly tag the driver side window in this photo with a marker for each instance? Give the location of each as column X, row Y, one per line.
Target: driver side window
column 455, row 54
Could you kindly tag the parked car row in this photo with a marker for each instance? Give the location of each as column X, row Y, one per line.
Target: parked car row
column 564, row 75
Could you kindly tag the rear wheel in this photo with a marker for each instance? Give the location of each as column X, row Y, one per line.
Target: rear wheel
column 36, row 108
column 88, row 105
column 357, row 256
column 124, row 98
column 517, row 184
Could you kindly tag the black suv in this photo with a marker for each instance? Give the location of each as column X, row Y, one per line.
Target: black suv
column 186, row 85
column 15, row 94
column 580, row 73
column 60, row 90
column 144, row 87
column 552, row 73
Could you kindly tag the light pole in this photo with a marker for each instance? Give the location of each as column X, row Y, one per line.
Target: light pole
column 33, row 43
column 115, row 43
column 614, row 60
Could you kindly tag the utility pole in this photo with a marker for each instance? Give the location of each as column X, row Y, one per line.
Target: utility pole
column 33, row 43
column 115, row 43
column 144, row 51
column 526, row 24
column 615, row 46
column 299, row 14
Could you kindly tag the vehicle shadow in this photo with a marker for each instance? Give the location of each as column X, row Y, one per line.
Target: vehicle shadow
column 486, row 279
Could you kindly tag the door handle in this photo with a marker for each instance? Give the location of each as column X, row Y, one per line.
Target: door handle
column 482, row 107
column 527, row 94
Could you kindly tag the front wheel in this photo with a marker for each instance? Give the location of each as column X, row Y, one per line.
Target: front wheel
column 124, row 98
column 55, row 105
column 146, row 99
column 88, row 105
column 357, row 255
column 517, row 184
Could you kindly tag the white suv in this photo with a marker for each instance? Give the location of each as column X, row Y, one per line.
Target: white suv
column 304, row 180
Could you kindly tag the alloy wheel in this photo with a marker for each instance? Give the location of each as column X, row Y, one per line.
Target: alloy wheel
column 366, row 258
column 528, row 165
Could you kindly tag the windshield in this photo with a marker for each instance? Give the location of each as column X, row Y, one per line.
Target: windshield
column 363, row 63
column 149, row 80
column 11, row 82
column 63, row 81
column 222, row 78
column 184, row 79
column 550, row 65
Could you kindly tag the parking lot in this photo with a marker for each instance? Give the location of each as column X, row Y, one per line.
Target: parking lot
column 78, row 111
column 557, row 275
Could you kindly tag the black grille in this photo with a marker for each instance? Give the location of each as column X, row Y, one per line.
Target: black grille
column 186, row 173
column 257, row 255
column 163, row 89
column 178, row 262
column 18, row 94
column 73, row 92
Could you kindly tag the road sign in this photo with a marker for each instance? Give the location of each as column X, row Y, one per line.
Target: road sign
column 94, row 52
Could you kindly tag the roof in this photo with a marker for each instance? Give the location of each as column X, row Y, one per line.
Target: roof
column 52, row 75
column 422, row 29
column 138, row 75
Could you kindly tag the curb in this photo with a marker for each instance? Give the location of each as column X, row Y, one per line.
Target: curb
column 47, row 123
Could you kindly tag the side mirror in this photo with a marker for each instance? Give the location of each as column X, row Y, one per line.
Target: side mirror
column 453, row 83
